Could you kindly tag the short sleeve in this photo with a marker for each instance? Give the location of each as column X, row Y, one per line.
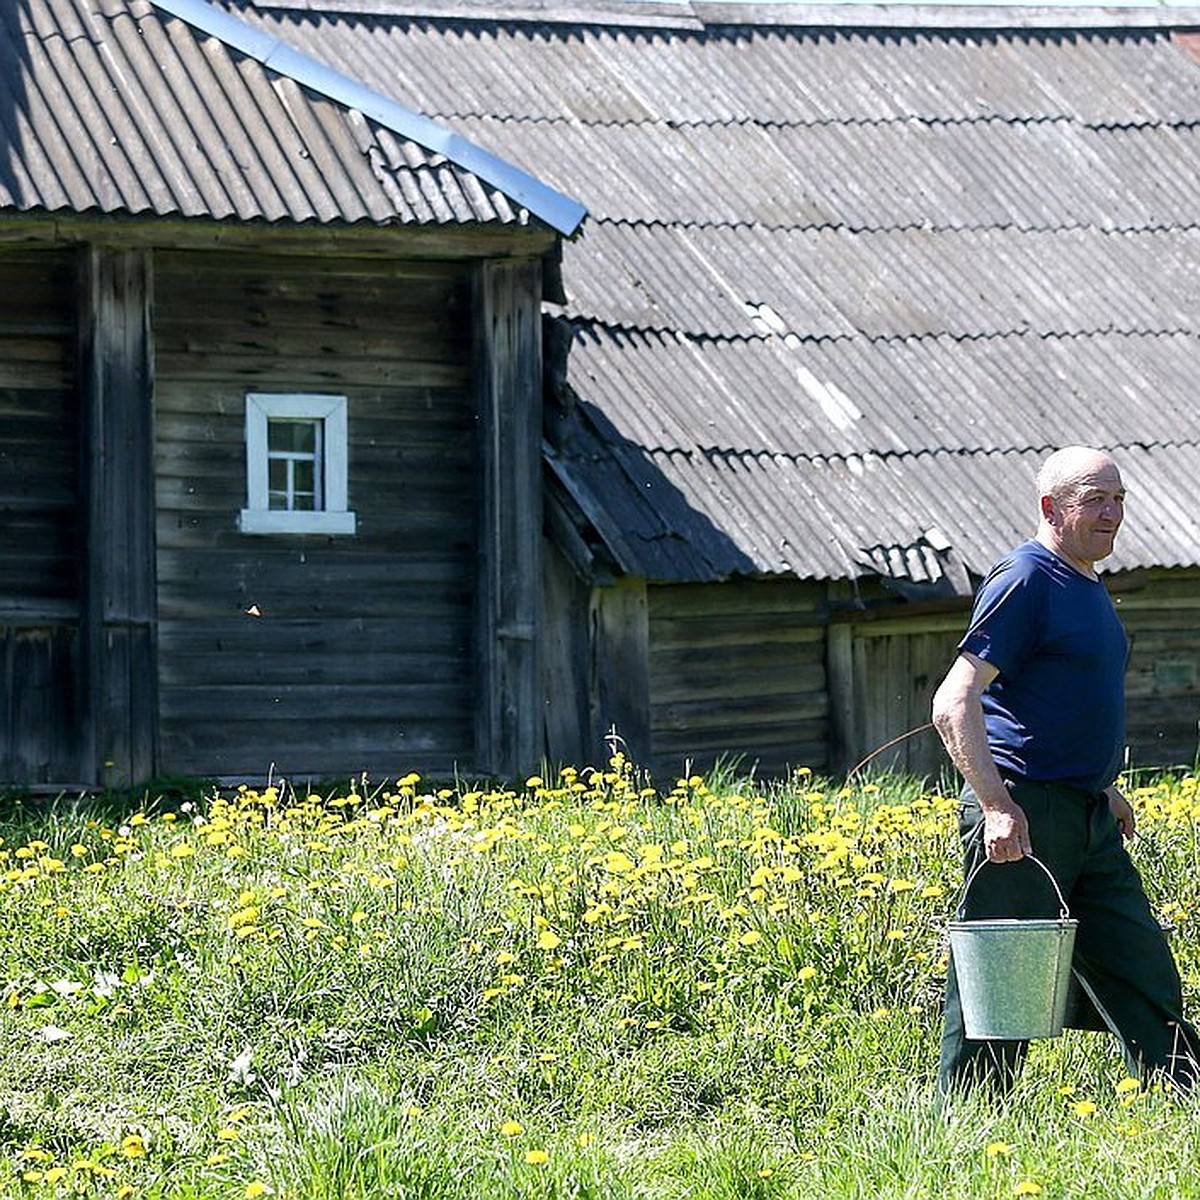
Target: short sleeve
column 1005, row 621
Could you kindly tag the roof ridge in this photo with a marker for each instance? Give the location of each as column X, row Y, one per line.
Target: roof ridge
column 699, row 15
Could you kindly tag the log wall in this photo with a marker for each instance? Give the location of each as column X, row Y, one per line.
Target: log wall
column 40, row 521
column 360, row 656
column 737, row 671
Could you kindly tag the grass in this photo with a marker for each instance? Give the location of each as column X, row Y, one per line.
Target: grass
column 582, row 987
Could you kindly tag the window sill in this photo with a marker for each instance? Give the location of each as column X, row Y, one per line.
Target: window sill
column 259, row 520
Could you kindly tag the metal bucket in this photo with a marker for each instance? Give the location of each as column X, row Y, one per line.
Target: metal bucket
column 1013, row 974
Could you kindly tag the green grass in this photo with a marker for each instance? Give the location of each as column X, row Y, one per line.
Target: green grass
column 583, row 987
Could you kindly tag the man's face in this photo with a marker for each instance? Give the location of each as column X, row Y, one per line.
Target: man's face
column 1087, row 515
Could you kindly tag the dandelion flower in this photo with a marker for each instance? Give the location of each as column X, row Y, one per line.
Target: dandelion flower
column 256, row 1188
column 548, row 940
column 1083, row 1108
column 998, row 1150
column 512, row 1129
column 1128, row 1085
column 1027, row 1187
column 535, row 1158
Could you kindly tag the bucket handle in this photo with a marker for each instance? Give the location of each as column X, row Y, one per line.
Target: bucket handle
column 1064, row 912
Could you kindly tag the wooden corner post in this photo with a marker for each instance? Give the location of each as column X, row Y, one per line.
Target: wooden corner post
column 116, row 389
column 508, row 387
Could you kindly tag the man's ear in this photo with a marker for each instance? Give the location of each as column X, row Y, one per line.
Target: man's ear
column 1047, row 505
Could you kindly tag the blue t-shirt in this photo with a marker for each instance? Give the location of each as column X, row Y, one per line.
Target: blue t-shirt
column 1056, row 711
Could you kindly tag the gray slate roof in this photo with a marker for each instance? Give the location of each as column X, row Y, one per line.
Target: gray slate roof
column 841, row 287
column 120, row 107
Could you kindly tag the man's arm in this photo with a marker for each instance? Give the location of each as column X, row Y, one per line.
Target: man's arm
column 958, row 717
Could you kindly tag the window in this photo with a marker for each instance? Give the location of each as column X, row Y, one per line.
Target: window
column 296, row 465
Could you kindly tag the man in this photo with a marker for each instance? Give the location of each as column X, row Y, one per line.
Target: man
column 1032, row 713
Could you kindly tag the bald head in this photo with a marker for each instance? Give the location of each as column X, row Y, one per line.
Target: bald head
column 1061, row 473
column 1082, row 503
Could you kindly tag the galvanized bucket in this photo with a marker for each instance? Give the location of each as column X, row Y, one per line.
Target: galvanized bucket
column 1013, row 974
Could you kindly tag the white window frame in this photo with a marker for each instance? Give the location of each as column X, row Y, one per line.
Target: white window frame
column 334, row 517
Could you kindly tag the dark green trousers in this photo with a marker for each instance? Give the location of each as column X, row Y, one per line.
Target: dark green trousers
column 1122, row 959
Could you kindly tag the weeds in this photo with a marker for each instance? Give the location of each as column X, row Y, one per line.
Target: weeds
column 582, row 987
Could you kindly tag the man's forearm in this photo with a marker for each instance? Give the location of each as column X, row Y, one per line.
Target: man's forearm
column 959, row 722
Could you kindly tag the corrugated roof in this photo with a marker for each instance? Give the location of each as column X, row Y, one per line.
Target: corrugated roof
column 113, row 106
column 842, row 287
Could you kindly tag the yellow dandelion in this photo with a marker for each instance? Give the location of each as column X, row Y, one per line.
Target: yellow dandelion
column 256, row 1188
column 1083, row 1108
column 536, row 1158
column 132, row 1146
column 548, row 940
column 1027, row 1187
column 1128, row 1085
column 998, row 1150
column 750, row 938
column 512, row 1129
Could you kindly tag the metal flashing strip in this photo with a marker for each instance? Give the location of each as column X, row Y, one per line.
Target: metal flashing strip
column 559, row 211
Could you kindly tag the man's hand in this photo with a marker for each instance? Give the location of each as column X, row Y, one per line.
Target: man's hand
column 1122, row 810
column 1006, row 833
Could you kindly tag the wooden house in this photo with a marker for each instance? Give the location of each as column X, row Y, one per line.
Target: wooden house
column 849, row 273
column 270, row 384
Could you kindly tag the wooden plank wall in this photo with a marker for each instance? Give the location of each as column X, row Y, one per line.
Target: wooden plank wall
column 737, row 670
column 40, row 531
column 896, row 664
column 1161, row 612
column 896, row 661
column 362, row 656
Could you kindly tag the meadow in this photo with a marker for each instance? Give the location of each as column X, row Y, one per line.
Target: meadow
column 586, row 986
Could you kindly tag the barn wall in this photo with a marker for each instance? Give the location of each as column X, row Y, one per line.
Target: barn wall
column 40, row 523
column 737, row 670
column 1161, row 612
column 362, row 656
column 884, row 667
column 886, row 663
